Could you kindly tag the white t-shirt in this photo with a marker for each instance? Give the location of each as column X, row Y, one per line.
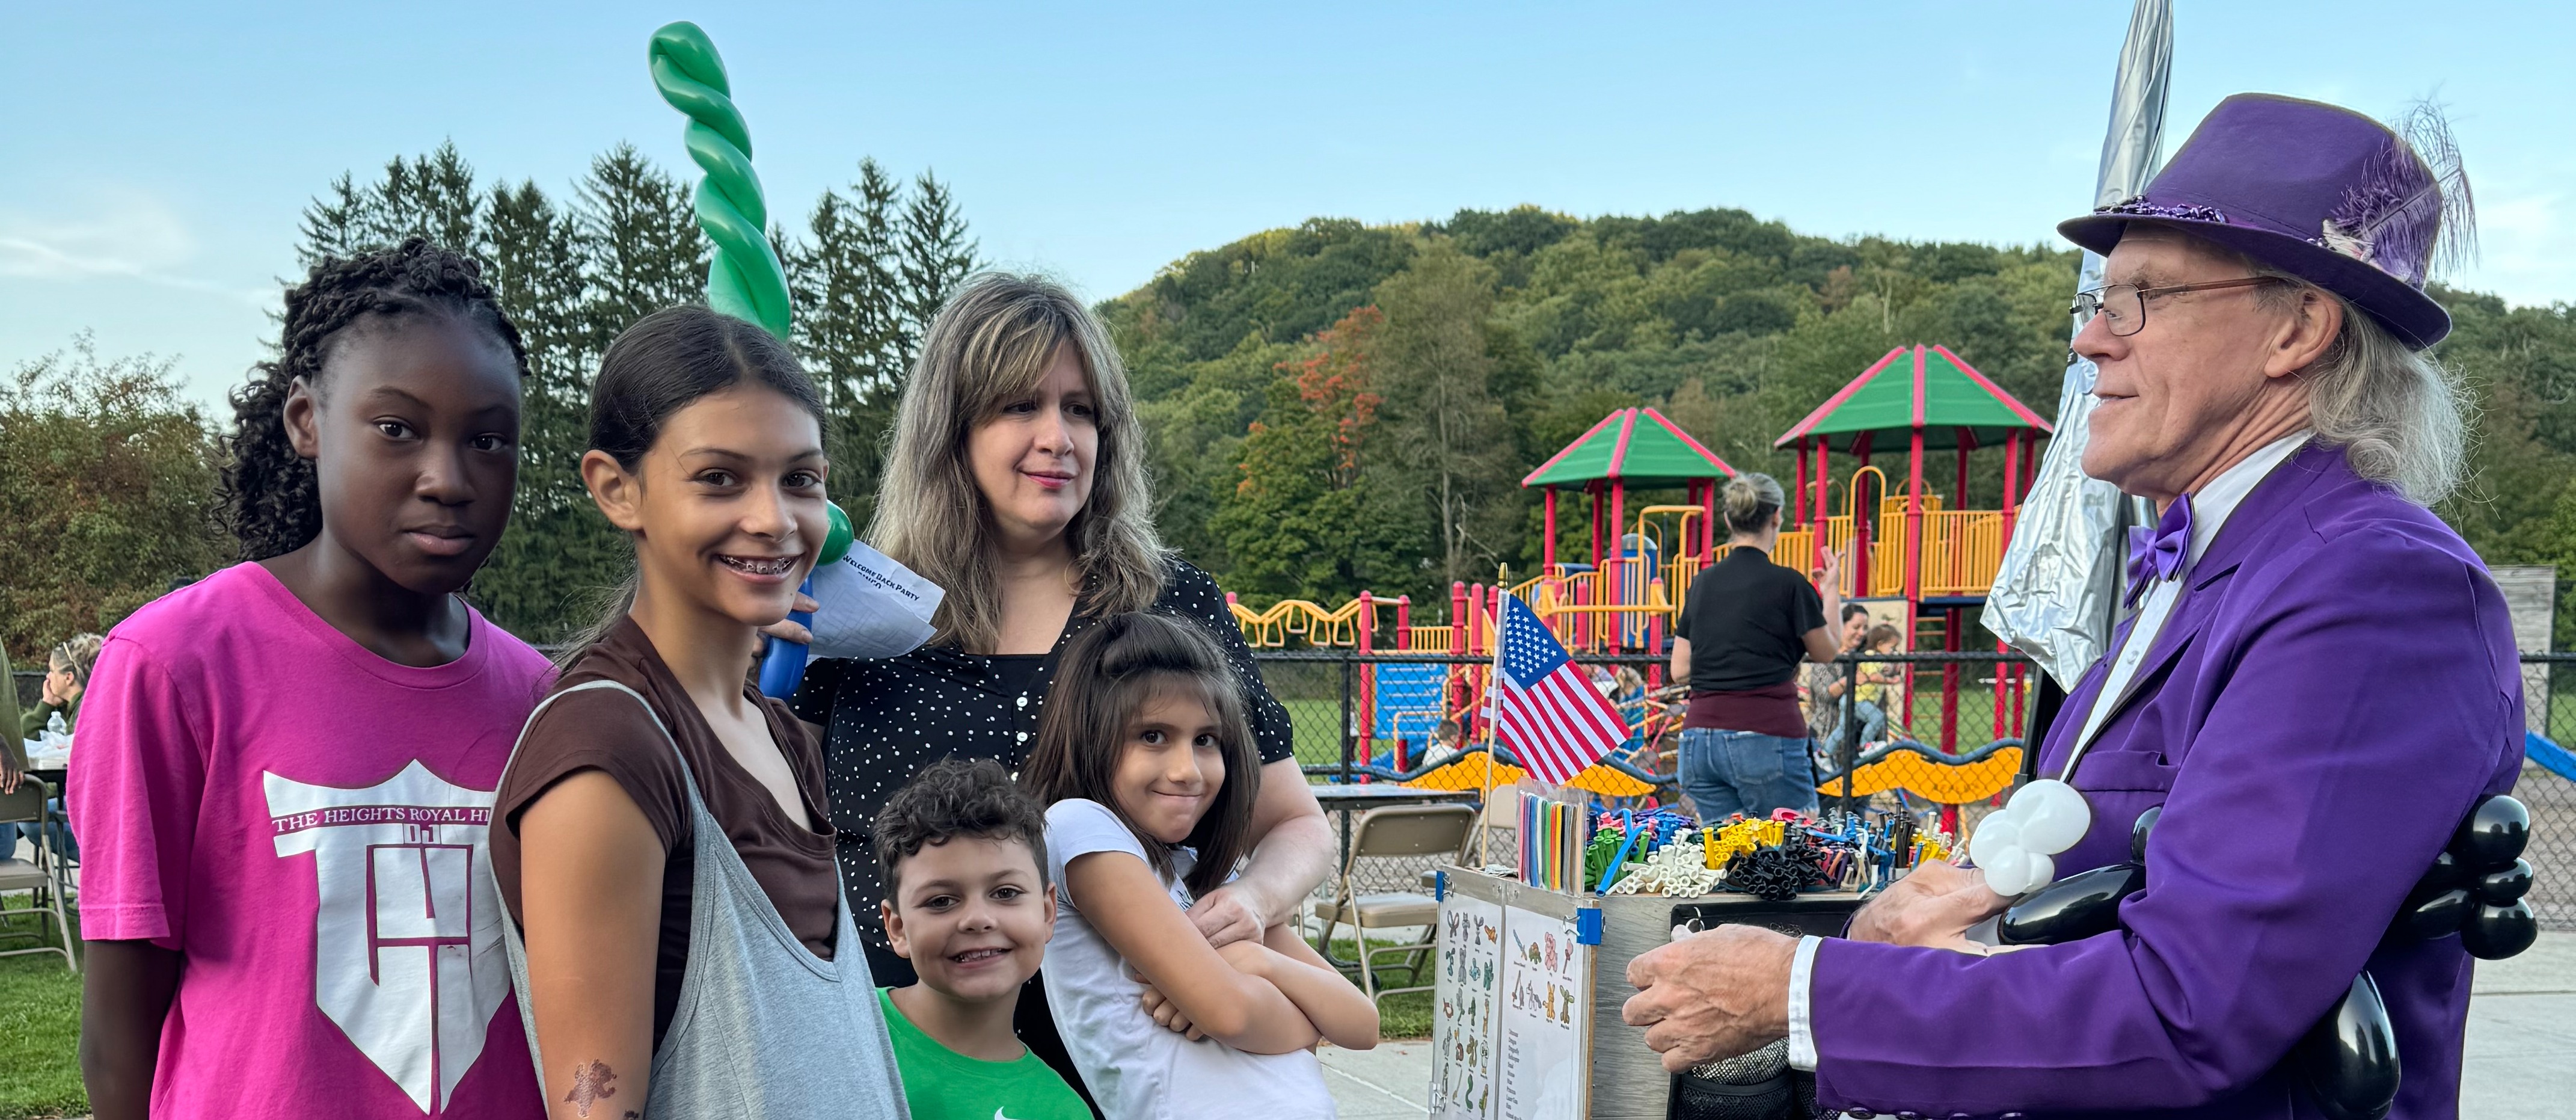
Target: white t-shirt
column 1136, row 1069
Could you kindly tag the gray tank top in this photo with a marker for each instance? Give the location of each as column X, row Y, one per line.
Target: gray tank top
column 764, row 1027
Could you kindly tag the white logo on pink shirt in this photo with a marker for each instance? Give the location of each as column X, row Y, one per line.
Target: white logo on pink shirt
column 407, row 940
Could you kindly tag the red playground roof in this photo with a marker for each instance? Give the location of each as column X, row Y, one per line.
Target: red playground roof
column 1925, row 387
column 1631, row 445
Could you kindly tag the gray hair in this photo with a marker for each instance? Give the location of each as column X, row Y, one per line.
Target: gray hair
column 990, row 343
column 2399, row 416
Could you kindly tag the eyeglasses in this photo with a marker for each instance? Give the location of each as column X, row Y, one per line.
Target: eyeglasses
column 2124, row 306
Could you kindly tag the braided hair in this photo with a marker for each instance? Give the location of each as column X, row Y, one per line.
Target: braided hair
column 270, row 499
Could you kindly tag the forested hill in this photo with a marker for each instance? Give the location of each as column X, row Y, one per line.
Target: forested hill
column 1498, row 338
column 1341, row 406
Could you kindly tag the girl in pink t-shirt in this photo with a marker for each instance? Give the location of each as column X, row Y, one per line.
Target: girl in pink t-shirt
column 286, row 770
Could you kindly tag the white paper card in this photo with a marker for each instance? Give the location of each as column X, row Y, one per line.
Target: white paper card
column 871, row 606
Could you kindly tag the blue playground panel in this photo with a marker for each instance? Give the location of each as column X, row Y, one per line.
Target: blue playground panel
column 1409, row 701
column 1644, row 565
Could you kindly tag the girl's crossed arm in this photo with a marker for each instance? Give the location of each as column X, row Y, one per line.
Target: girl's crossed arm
column 1121, row 898
column 1342, row 1013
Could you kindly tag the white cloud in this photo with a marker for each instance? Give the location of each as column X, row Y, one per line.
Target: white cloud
column 112, row 231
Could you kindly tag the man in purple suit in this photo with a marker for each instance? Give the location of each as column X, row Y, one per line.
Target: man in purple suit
column 2317, row 685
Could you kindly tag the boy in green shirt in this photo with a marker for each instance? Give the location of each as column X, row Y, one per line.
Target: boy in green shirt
column 967, row 902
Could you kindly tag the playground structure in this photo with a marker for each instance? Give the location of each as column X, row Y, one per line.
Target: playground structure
column 1909, row 548
column 1938, row 561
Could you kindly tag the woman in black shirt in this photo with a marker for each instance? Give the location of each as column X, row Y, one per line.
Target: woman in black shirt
column 1743, row 630
column 1015, row 481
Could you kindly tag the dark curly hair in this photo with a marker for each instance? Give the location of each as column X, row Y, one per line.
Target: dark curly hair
column 270, row 501
column 956, row 797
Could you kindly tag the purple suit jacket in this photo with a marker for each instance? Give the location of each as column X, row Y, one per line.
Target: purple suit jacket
column 2336, row 688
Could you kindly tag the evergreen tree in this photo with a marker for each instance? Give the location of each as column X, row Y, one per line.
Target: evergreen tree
column 851, row 326
column 558, row 549
column 641, row 241
column 936, row 253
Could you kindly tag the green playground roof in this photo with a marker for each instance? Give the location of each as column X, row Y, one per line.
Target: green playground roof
column 1918, row 387
column 1631, row 445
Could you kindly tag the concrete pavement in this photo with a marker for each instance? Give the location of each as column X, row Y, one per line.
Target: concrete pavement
column 2521, row 1058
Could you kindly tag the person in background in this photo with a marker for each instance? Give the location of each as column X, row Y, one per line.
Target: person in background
column 1743, row 630
column 67, row 672
column 13, row 749
column 263, row 752
column 66, row 680
column 1823, row 685
column 1877, row 678
column 969, row 903
column 1448, row 741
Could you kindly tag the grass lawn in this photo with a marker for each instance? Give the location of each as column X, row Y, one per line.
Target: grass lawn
column 1407, row 1015
column 39, row 1031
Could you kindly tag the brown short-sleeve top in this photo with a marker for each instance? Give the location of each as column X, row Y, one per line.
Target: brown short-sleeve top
column 605, row 730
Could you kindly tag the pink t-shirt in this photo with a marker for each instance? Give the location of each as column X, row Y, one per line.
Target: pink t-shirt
column 305, row 821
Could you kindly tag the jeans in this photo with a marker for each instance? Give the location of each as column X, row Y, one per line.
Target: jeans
column 1728, row 772
column 1873, row 726
column 63, row 845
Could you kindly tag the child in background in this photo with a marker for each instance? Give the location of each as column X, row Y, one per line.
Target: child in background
column 1146, row 764
column 963, row 854
column 1869, row 701
column 285, row 770
column 688, row 951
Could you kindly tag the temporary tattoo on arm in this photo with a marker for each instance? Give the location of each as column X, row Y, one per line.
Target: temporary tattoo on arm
column 590, row 1084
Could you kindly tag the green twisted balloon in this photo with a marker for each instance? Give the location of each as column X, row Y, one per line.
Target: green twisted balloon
column 745, row 279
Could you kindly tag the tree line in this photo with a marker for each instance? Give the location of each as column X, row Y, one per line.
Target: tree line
column 1330, row 408
column 1339, row 406
column 109, row 474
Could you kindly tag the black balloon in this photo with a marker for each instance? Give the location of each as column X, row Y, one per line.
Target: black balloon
column 2493, row 933
column 2349, row 1059
column 2072, row 908
column 2501, row 888
column 2138, row 831
column 2447, row 872
column 2437, row 916
column 2494, row 833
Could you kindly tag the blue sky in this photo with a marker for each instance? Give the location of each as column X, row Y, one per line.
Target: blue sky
column 160, row 158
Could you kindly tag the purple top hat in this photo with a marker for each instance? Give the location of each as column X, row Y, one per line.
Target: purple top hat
column 2320, row 192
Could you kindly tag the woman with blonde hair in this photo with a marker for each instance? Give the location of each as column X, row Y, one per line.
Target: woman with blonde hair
column 1745, row 627
column 1015, row 479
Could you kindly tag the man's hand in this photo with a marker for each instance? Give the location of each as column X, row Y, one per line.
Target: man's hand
column 1712, row 995
column 790, row 630
column 9, row 772
column 1227, row 915
column 1933, row 907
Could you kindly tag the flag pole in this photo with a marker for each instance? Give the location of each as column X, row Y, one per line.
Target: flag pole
column 1485, row 794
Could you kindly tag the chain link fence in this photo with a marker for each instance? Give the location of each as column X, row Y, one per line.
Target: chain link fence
column 1351, row 711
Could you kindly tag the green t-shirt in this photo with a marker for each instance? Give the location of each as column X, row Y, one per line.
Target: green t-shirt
column 942, row 1084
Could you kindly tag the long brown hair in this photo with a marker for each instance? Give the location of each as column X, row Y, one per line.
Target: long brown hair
column 990, row 345
column 1104, row 680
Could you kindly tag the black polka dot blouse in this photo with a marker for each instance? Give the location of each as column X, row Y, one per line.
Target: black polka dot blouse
column 888, row 718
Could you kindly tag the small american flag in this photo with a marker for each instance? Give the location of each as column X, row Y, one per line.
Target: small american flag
column 1553, row 720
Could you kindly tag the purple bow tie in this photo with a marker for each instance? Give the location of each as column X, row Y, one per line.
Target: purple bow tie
column 2158, row 553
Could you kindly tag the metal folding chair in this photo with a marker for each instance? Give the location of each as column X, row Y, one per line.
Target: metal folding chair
column 1410, row 830
column 43, row 875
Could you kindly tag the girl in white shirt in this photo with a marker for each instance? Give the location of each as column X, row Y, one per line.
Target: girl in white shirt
column 1148, row 771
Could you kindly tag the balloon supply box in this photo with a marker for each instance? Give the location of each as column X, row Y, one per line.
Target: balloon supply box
column 1525, row 1013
